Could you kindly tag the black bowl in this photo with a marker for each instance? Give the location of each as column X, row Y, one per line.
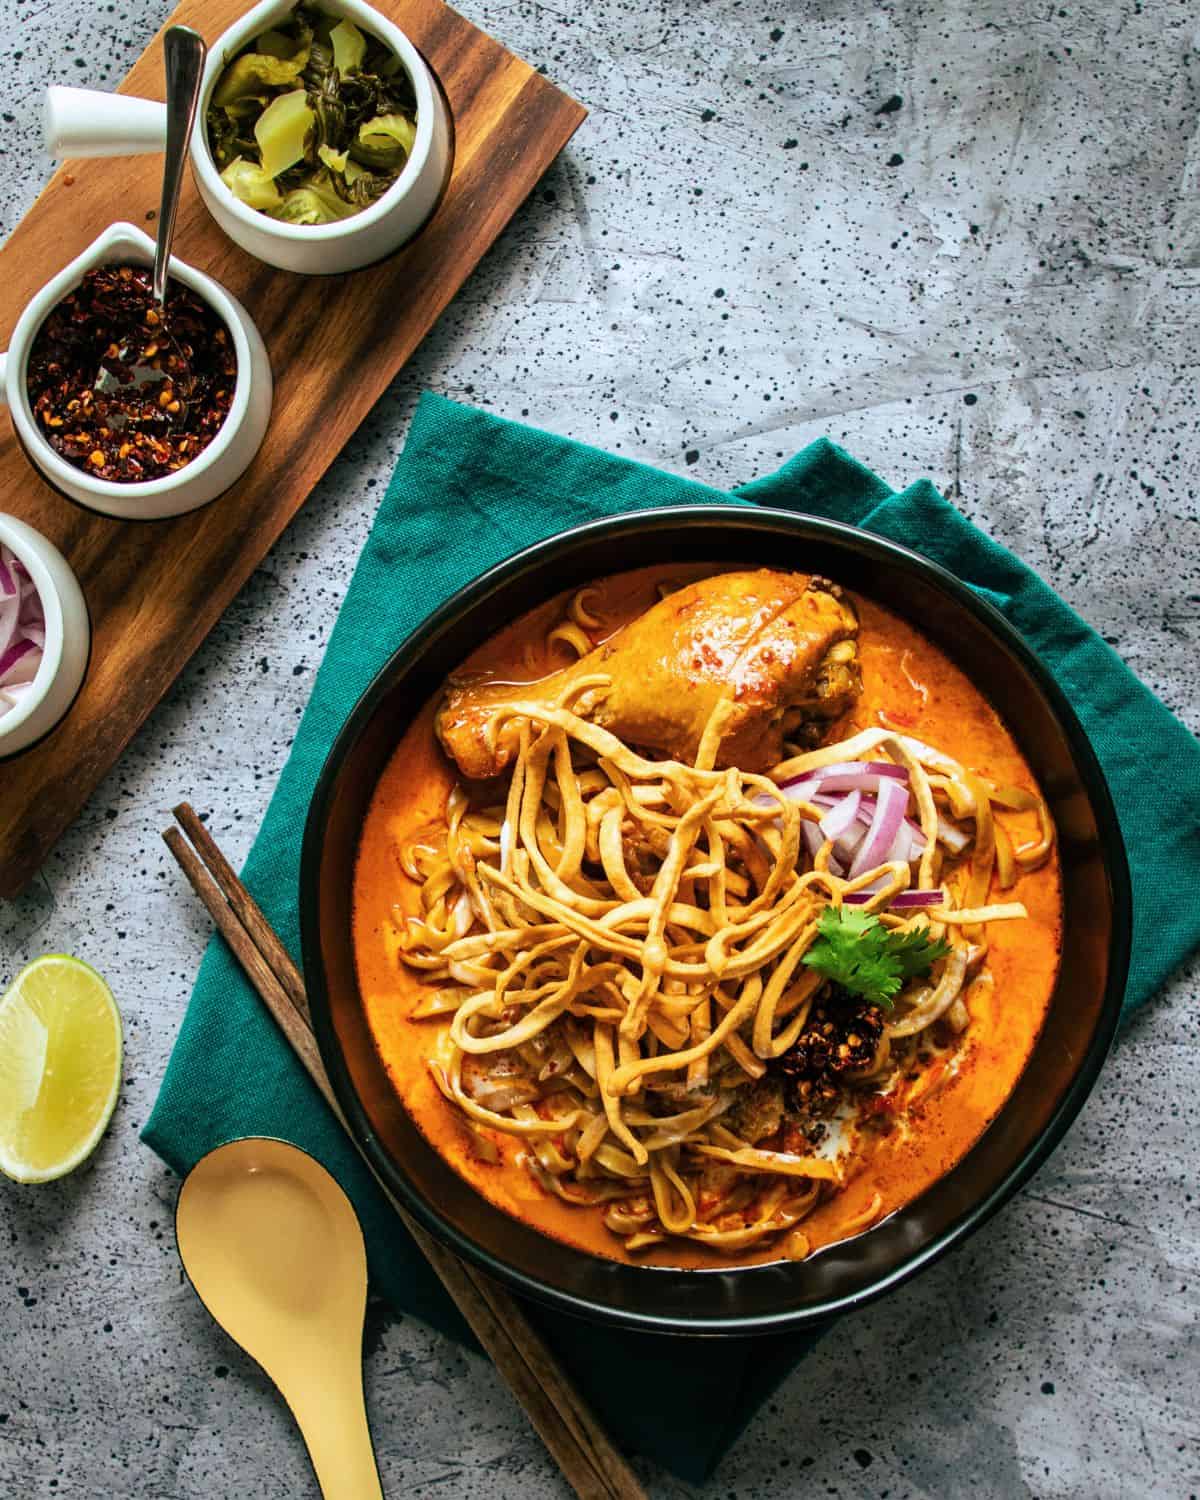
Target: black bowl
column 1061, row 1070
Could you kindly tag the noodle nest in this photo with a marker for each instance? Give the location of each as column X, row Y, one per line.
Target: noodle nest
column 618, row 945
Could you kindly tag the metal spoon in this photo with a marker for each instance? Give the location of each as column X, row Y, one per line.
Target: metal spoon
column 273, row 1248
column 184, row 53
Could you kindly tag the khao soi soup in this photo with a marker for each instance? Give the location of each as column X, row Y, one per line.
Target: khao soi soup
column 706, row 916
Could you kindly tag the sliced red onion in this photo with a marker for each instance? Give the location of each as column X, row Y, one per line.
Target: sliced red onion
column 799, row 792
column 866, row 811
column 10, row 658
column 860, row 898
column 954, row 838
column 852, row 777
column 12, row 693
column 901, row 845
column 890, row 805
column 916, row 838
column 905, row 899
column 847, row 846
column 841, row 815
column 834, row 787
column 917, row 898
column 815, row 840
column 863, row 781
column 818, row 787
column 812, row 836
column 850, row 768
column 794, row 791
column 22, row 630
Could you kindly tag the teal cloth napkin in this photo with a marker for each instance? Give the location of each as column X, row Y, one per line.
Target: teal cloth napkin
column 468, row 491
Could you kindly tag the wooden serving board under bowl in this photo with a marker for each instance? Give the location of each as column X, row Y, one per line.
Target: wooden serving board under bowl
column 155, row 589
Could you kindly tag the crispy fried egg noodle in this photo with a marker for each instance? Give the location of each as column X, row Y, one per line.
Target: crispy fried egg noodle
column 618, row 945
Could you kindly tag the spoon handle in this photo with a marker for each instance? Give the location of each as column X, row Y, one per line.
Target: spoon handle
column 184, row 52
column 332, row 1417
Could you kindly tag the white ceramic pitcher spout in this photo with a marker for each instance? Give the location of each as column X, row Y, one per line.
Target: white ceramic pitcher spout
column 89, row 122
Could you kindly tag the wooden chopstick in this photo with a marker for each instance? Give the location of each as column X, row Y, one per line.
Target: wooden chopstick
column 585, row 1454
column 246, row 908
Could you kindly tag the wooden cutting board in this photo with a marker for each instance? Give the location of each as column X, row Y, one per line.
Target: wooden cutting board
column 156, row 589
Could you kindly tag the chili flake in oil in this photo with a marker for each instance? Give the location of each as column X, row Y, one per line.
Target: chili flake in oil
column 86, row 399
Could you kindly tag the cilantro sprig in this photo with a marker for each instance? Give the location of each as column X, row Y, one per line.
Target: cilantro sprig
column 855, row 950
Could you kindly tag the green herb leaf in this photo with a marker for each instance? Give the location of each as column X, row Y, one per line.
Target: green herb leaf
column 855, row 950
column 915, row 951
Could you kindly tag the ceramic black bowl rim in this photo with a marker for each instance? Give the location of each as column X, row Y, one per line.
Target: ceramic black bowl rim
column 1072, row 1099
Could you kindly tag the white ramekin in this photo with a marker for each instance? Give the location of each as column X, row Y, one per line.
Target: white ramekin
column 214, row 469
column 82, row 122
column 68, row 639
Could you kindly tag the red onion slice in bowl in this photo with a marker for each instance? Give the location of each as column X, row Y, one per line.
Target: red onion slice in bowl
column 917, row 898
column 865, row 814
column 851, row 791
column 954, row 838
column 905, row 900
column 847, row 846
column 12, row 693
column 902, row 844
column 847, row 776
column 794, row 791
column 841, row 815
column 860, row 898
column 10, row 614
column 10, row 662
column 891, row 803
column 22, row 629
column 812, row 836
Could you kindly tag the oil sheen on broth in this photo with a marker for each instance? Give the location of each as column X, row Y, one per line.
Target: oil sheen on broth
column 908, row 686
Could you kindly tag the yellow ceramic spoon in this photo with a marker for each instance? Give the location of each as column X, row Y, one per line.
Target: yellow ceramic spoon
column 274, row 1251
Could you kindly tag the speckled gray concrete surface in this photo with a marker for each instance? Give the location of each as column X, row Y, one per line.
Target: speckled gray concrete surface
column 963, row 240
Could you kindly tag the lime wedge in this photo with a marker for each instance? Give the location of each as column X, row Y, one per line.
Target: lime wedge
column 60, row 1067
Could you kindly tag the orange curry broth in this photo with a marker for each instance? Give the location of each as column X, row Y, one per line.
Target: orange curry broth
column 908, row 685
